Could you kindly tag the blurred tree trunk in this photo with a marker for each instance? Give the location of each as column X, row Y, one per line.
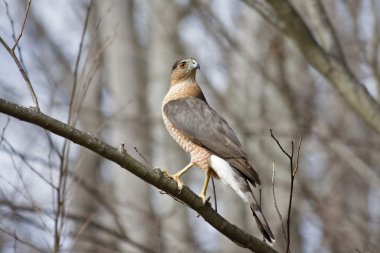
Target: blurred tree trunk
column 163, row 51
column 239, row 101
column 122, row 68
column 87, row 166
column 87, row 170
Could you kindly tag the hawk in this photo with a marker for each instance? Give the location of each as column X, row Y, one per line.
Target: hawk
column 212, row 144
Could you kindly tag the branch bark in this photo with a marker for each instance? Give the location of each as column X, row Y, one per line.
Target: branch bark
column 154, row 177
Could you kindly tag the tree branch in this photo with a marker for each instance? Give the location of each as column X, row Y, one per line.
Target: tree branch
column 334, row 70
column 154, row 177
column 324, row 29
column 293, row 170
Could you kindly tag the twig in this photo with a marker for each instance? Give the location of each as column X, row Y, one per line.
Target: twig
column 122, row 148
column 87, row 221
column 23, row 25
column 298, row 156
column 290, row 199
column 4, row 129
column 293, row 172
column 75, row 82
column 278, row 143
column 11, row 21
column 276, row 206
column 18, row 239
column 12, row 53
column 63, row 169
column 143, row 157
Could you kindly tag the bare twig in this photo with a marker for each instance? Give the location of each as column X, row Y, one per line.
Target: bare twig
column 276, row 206
column 11, row 21
column 293, row 171
column 122, row 148
column 4, row 129
column 75, row 82
column 278, row 143
column 143, row 157
column 12, row 53
column 298, row 156
column 24, row 159
column 63, row 169
column 20, row 240
column 87, row 221
column 23, row 25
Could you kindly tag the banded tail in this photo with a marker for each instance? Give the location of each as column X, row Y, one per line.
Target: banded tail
column 239, row 184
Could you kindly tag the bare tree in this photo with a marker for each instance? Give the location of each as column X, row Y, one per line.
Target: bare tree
column 305, row 69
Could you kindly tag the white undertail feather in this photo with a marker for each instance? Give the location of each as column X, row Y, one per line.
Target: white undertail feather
column 239, row 184
column 229, row 176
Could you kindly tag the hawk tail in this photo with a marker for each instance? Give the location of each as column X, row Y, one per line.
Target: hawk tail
column 262, row 222
column 238, row 182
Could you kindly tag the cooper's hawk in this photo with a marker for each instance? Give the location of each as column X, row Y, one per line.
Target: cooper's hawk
column 207, row 137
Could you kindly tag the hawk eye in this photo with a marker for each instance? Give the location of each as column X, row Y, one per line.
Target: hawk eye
column 182, row 65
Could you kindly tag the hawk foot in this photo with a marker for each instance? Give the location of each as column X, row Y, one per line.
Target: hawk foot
column 165, row 172
column 174, row 177
column 178, row 180
column 205, row 199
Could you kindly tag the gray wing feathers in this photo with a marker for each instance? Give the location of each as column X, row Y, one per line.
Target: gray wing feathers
column 207, row 128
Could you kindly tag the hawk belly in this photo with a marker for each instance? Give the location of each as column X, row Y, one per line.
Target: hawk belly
column 199, row 155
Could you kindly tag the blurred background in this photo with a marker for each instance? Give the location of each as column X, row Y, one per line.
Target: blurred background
column 106, row 66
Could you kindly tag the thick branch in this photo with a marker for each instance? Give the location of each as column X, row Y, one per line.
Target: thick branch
column 154, row 177
column 324, row 28
column 334, row 70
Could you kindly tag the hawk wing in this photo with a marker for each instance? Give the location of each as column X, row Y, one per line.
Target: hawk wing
column 204, row 126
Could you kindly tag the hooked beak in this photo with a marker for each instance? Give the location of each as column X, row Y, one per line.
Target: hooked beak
column 195, row 65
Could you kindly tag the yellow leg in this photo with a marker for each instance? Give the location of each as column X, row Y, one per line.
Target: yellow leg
column 177, row 175
column 204, row 189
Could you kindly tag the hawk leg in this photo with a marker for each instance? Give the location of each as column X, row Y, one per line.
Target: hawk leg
column 204, row 189
column 177, row 175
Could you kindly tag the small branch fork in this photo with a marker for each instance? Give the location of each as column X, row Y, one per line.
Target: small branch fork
column 293, row 161
column 12, row 52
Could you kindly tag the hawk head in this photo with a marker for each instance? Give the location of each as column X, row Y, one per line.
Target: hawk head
column 183, row 70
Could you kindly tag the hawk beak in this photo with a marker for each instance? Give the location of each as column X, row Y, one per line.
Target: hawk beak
column 195, row 65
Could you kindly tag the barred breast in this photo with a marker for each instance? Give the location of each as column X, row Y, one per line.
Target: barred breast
column 199, row 156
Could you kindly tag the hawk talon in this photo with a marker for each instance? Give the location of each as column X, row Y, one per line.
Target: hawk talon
column 179, row 182
column 163, row 171
column 205, row 199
